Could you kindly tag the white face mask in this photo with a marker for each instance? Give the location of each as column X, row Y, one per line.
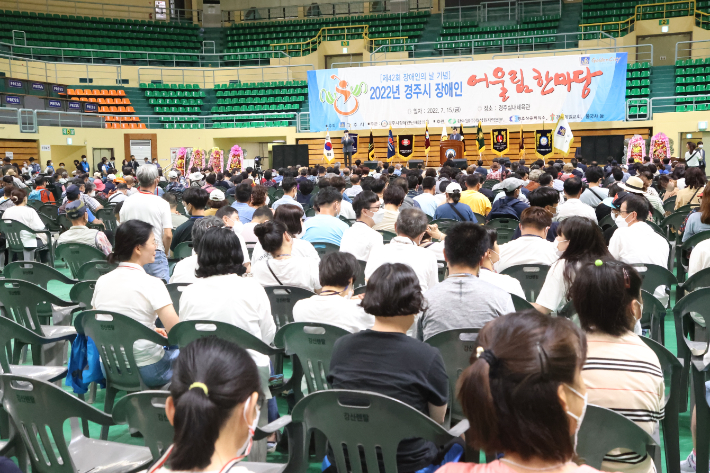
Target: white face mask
column 377, row 217
column 621, row 222
column 579, row 418
column 246, row 448
column 556, row 244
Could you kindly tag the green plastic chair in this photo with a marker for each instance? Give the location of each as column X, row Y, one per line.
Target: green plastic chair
column 604, row 430
column 355, row 421
column 323, row 248
column 114, row 335
column 672, row 368
column 77, row 254
column 697, row 281
column 175, row 291
column 445, row 224
column 653, row 317
column 35, row 273
column 386, row 236
column 683, row 254
column 654, row 276
column 282, row 299
column 456, row 347
column 82, row 293
column 506, row 228
column 312, row 345
column 187, row 331
column 669, row 205
column 107, row 216
column 607, row 221
column 697, row 301
column 12, row 231
column 10, row 331
column 530, row 276
column 183, row 250
column 145, row 411
column 36, row 403
column 93, row 270
column 520, row 304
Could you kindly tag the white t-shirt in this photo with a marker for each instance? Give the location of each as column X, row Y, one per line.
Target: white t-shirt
column 360, row 240
column 553, row 294
column 184, row 271
column 403, row 250
column 334, row 310
column 151, row 209
column 130, row 291
column 503, row 281
column 27, row 216
column 294, row 271
column 575, row 208
column 346, row 210
column 529, row 249
column 300, row 248
column 242, row 303
column 247, row 233
column 699, row 257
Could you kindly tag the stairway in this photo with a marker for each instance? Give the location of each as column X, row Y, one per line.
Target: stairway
column 569, row 23
column 218, row 36
column 663, row 85
column 430, row 34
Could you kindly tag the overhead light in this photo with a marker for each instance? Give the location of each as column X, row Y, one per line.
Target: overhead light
column 664, row 29
column 279, row 141
column 702, row 126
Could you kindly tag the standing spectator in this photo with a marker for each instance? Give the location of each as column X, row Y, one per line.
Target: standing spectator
column 692, row 156
column 360, row 239
column 35, row 168
column 148, row 207
column 84, row 165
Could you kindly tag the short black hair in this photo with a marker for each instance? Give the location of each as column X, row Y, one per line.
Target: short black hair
column 377, row 185
column 220, row 253
column 243, row 192
column 545, row 179
column 412, row 181
column 618, row 174
column 544, row 196
column 594, row 174
column 638, row 204
column 262, row 211
column 328, row 196
column 170, row 198
column 394, row 195
column 306, row 187
column 428, row 183
column 364, row 200
column 473, row 179
column 288, row 183
column 465, row 244
column 196, row 197
column 338, row 268
column 392, row 290
column 225, row 211
column 573, row 186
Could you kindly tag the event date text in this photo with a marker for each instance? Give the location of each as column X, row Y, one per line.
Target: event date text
column 417, row 111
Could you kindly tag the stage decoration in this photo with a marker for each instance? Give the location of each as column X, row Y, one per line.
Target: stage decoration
column 636, row 149
column 197, row 159
column 236, row 155
column 660, row 147
column 217, row 159
column 179, row 163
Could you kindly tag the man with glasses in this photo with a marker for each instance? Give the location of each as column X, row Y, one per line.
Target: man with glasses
column 360, row 239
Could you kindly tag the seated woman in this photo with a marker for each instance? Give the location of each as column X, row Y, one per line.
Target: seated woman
column 291, row 216
column 219, row 270
column 28, row 216
column 621, row 372
column 413, row 373
column 285, row 267
column 132, row 292
column 699, row 219
column 524, row 361
column 579, row 240
column 452, row 208
column 213, row 408
column 337, row 273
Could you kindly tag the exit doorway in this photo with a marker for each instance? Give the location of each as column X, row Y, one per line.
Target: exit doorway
column 98, row 155
column 664, row 47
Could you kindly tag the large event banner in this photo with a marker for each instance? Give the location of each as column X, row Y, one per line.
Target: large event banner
column 586, row 88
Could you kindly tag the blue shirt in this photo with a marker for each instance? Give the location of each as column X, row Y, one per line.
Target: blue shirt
column 286, row 199
column 324, row 228
column 427, row 203
column 346, row 198
column 84, row 166
column 445, row 211
column 245, row 212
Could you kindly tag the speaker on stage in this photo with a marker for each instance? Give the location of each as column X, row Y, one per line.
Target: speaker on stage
column 460, row 163
column 413, row 163
column 370, row 164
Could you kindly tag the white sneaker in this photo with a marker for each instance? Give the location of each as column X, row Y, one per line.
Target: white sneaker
column 688, row 465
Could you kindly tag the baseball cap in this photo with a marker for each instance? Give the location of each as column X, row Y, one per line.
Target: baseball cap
column 453, row 187
column 509, row 184
column 73, row 192
column 111, row 177
column 76, row 209
column 217, row 195
column 196, row 176
column 99, row 185
column 173, row 174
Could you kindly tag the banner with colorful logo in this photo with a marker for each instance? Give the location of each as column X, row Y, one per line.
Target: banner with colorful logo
column 405, row 146
column 391, row 147
column 543, row 143
column 585, row 88
column 499, row 141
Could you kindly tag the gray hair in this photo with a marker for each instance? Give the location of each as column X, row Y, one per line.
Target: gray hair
column 147, row 174
column 200, row 228
column 411, row 223
column 535, row 175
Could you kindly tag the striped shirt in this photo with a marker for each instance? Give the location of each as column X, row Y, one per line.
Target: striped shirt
column 624, row 375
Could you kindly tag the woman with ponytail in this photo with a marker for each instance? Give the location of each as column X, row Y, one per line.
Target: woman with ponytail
column 454, row 209
column 132, row 292
column 213, row 408
column 524, row 395
column 26, row 215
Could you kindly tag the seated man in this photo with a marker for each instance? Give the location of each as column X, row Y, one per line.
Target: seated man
column 360, row 239
column 448, row 303
column 473, row 197
column 120, row 194
column 73, row 194
column 386, row 218
column 290, row 189
column 573, row 207
column 261, row 215
column 195, row 200
column 174, row 185
column 532, row 246
column 78, row 213
column 404, row 248
column 326, row 226
column 509, row 206
column 177, row 217
column 426, row 200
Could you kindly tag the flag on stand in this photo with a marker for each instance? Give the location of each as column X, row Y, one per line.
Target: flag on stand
column 562, row 137
column 480, row 139
column 328, row 152
column 371, row 148
column 521, row 146
column 444, row 134
column 463, row 139
column 391, row 147
column 427, row 144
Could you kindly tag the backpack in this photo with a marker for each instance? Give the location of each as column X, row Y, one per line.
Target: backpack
column 35, row 195
column 503, row 210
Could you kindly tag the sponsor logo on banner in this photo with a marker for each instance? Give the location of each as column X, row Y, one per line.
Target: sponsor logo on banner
column 17, row 84
column 55, row 104
column 406, row 146
column 37, row 86
column 499, row 140
column 496, row 93
column 74, row 105
column 91, row 107
column 543, row 143
column 58, row 89
column 12, row 100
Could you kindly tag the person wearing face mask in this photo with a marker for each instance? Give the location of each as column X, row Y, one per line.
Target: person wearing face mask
column 84, row 165
column 509, row 206
column 489, row 268
column 579, row 241
column 214, row 406
column 360, row 240
column 527, row 372
column 404, row 248
column 531, row 247
column 334, row 305
column 326, row 226
column 195, row 200
column 448, row 303
column 621, row 372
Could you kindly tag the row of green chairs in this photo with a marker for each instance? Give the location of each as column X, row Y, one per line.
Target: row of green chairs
column 175, row 102
column 355, row 19
column 699, row 70
column 636, row 111
column 178, row 119
column 703, row 107
column 188, row 109
column 692, row 79
column 642, row 92
column 638, row 83
column 261, row 100
column 638, row 74
column 500, row 29
column 260, row 85
column 253, row 108
column 256, row 92
column 94, row 51
column 184, row 126
column 262, row 124
column 164, row 94
column 497, row 35
column 247, row 116
column 694, row 99
column 33, row 16
column 173, row 87
column 692, row 89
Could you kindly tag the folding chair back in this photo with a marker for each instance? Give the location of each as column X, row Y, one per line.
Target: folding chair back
column 654, row 276
column 183, row 250
column 530, row 276
column 93, row 270
column 282, row 299
column 520, row 304
column 83, row 293
column 77, row 254
column 145, row 411
column 444, row 224
column 324, row 248
column 23, row 300
column 35, row 273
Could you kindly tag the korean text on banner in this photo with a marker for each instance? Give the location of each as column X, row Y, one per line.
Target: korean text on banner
column 585, row 88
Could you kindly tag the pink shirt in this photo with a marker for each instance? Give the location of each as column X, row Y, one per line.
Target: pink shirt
column 495, row 467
